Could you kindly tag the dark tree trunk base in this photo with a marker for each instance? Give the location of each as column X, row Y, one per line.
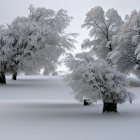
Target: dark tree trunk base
column 14, row 76
column 109, row 107
column 86, row 102
column 2, row 78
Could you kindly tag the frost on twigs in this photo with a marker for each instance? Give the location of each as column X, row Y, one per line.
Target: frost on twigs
column 96, row 80
column 108, row 44
column 114, row 56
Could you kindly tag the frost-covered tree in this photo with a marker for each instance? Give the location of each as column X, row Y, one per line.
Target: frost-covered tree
column 126, row 53
column 102, row 26
column 4, row 54
column 37, row 41
column 96, row 80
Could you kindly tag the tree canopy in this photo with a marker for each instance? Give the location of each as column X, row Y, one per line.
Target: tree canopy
column 96, row 80
column 31, row 43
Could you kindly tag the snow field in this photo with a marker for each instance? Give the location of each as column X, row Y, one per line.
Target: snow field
column 41, row 108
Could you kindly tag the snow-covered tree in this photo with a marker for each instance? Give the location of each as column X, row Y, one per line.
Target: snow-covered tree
column 38, row 41
column 4, row 54
column 102, row 27
column 126, row 53
column 96, row 80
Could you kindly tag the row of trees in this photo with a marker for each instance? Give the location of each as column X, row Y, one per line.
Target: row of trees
column 31, row 43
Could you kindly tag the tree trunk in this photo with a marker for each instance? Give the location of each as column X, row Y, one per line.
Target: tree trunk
column 87, row 102
column 109, row 107
column 2, row 78
column 110, row 48
column 14, row 76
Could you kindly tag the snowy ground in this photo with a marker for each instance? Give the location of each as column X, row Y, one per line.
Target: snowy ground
column 41, row 108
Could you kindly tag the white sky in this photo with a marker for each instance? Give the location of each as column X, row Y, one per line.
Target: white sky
column 10, row 9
